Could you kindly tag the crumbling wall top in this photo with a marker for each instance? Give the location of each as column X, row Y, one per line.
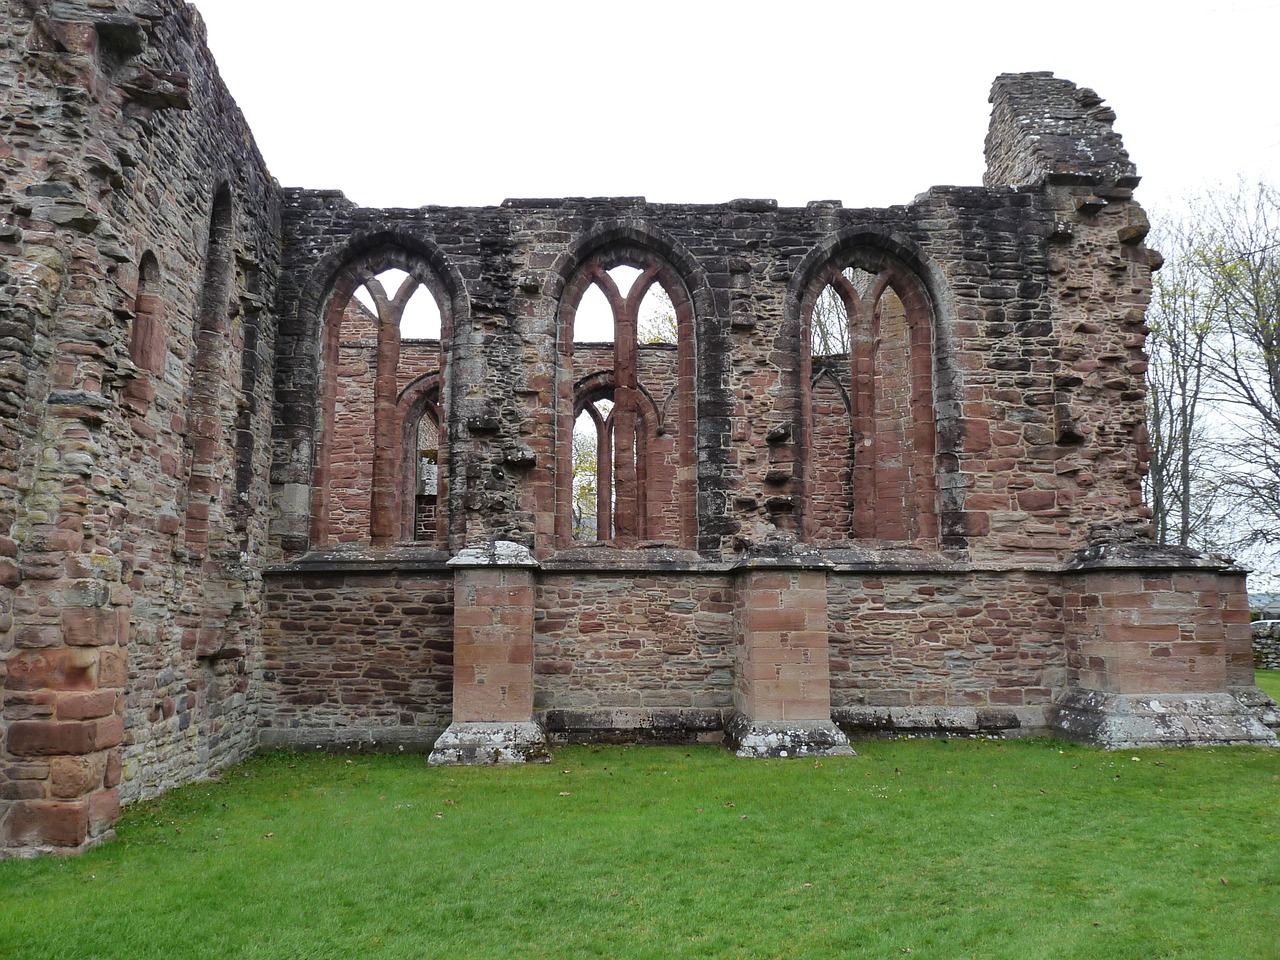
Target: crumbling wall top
column 1047, row 130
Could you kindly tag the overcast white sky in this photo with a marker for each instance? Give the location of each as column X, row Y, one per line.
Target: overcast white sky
column 403, row 103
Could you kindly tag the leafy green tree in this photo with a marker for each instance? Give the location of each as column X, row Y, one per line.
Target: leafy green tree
column 585, row 478
column 657, row 320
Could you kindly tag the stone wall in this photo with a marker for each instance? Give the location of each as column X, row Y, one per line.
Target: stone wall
column 1266, row 645
column 637, row 654
column 141, row 241
column 958, row 649
column 356, row 659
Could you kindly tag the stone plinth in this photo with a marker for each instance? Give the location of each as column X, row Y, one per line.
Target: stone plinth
column 782, row 674
column 1157, row 643
column 492, row 659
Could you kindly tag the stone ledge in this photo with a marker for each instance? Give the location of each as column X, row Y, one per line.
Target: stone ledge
column 942, row 721
column 350, row 739
column 761, row 739
column 634, row 725
column 478, row 742
column 1259, row 704
column 1130, row 721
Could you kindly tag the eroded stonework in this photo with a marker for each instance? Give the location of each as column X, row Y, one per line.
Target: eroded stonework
column 820, row 472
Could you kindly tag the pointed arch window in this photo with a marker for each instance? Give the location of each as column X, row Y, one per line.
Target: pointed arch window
column 868, row 404
column 627, row 418
column 380, row 439
column 148, row 338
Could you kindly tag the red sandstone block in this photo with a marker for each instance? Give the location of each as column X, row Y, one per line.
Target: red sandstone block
column 758, row 671
column 504, row 673
column 73, row 777
column 1141, row 633
column 33, row 637
column 111, row 775
column 87, row 705
column 1195, row 582
column 43, row 738
column 773, row 653
column 47, row 823
column 60, row 669
column 464, row 616
column 809, row 639
column 104, row 810
column 767, row 621
column 113, row 668
column 477, row 654
column 90, row 627
column 808, row 708
column 759, row 581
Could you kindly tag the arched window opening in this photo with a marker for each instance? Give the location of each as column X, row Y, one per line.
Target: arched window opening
column 246, row 442
column 381, row 473
column 148, row 339
column 594, row 492
column 869, row 418
column 210, row 410
column 657, row 318
column 632, row 404
column 594, row 320
column 426, row 480
column 419, row 313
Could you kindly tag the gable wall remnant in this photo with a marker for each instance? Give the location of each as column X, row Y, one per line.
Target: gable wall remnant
column 241, row 509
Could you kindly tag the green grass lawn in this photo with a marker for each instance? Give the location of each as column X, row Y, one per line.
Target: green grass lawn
column 946, row 849
column 1269, row 682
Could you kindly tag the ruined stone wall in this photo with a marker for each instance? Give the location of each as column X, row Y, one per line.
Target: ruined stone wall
column 132, row 521
column 1037, row 423
column 206, row 455
column 979, row 645
column 360, row 660
column 625, row 653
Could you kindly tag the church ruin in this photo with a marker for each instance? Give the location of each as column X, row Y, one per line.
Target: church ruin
column 868, row 472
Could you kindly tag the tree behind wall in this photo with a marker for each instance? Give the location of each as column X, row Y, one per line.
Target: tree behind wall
column 1239, row 260
column 1214, row 378
column 1182, row 485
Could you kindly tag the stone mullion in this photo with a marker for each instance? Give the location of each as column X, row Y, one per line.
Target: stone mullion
column 384, row 510
column 863, row 373
column 320, row 481
column 604, row 476
column 625, row 519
